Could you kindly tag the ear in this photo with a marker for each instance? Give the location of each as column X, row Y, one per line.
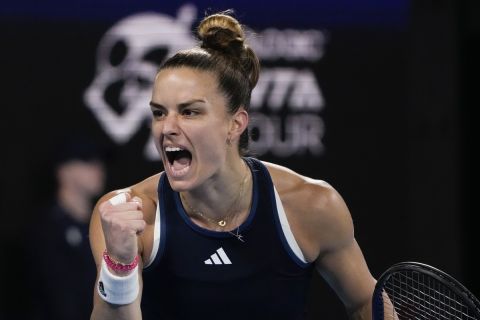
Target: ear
column 238, row 124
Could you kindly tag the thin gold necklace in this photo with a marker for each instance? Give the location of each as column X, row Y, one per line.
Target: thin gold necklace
column 226, row 219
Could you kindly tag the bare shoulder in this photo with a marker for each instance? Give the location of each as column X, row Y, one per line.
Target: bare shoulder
column 317, row 213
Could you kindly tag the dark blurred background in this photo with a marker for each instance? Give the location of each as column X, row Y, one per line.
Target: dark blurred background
column 375, row 97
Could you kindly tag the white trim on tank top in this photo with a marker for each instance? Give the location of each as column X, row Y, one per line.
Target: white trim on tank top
column 156, row 238
column 286, row 229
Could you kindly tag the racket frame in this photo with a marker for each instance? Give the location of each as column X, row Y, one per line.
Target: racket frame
column 450, row 282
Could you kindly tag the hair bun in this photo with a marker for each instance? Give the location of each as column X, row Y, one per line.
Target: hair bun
column 221, row 32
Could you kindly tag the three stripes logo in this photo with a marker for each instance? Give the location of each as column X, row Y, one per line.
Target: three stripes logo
column 219, row 257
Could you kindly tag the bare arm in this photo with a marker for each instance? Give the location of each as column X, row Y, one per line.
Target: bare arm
column 323, row 228
column 346, row 272
column 124, row 229
column 342, row 263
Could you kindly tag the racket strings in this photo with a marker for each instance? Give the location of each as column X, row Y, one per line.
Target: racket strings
column 411, row 295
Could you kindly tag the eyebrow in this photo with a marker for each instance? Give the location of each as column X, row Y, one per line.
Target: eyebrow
column 155, row 105
column 180, row 105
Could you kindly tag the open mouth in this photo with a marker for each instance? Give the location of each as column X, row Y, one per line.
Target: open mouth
column 179, row 159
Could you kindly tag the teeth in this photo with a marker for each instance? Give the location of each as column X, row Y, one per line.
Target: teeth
column 170, row 149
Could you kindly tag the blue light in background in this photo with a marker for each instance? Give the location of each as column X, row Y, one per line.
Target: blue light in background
column 299, row 13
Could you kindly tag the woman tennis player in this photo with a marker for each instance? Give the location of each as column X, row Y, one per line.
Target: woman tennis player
column 219, row 235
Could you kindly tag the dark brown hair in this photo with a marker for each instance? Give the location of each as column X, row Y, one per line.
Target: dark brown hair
column 223, row 52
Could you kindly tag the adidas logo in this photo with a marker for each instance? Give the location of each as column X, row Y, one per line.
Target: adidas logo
column 220, row 257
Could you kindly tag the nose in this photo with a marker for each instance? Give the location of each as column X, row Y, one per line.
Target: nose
column 170, row 125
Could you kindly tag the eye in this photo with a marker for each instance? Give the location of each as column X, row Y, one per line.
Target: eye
column 157, row 113
column 189, row 112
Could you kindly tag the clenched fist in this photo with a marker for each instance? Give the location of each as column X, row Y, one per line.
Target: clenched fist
column 122, row 221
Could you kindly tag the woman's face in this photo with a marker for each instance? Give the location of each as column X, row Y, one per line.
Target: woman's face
column 190, row 126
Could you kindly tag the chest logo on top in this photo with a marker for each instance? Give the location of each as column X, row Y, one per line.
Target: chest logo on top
column 218, row 258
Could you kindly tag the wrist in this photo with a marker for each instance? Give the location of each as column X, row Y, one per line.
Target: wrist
column 117, row 267
column 115, row 289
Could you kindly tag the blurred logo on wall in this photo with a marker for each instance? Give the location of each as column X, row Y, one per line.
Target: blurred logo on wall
column 286, row 104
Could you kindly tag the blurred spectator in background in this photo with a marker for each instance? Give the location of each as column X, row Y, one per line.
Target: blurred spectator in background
column 60, row 264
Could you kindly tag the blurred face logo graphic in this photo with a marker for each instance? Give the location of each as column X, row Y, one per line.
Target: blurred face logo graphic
column 285, row 104
column 128, row 57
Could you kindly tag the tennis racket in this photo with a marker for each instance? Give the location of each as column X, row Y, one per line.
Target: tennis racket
column 412, row 290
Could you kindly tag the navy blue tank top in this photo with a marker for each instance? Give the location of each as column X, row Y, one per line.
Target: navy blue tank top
column 202, row 274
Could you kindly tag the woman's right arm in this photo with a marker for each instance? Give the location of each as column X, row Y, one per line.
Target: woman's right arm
column 114, row 227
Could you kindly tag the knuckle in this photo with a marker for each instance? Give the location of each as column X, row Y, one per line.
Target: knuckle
column 105, row 217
